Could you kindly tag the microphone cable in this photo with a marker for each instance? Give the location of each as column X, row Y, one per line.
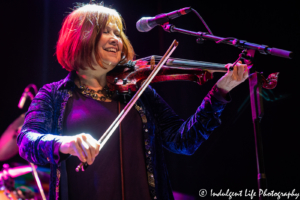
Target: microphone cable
column 202, row 20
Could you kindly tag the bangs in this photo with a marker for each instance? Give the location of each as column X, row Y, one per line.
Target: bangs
column 117, row 20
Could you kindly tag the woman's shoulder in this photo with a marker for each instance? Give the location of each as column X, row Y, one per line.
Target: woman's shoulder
column 54, row 90
column 58, row 85
column 51, row 87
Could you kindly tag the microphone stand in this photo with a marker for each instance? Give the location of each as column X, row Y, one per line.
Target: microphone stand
column 255, row 86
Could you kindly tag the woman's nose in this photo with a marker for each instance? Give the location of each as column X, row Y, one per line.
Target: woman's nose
column 114, row 40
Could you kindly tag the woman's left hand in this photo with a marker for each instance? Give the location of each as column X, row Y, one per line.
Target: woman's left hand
column 233, row 78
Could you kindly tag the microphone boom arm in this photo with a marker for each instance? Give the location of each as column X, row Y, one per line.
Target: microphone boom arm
column 242, row 44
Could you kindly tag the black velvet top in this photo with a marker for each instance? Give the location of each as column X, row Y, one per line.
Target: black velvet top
column 102, row 180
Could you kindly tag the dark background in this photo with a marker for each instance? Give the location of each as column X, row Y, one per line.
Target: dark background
column 29, row 33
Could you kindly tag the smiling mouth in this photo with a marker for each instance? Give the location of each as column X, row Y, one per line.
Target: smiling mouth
column 111, row 50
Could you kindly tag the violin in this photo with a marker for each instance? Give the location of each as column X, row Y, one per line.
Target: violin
column 126, row 79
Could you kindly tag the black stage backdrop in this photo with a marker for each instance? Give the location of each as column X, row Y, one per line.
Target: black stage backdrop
column 227, row 160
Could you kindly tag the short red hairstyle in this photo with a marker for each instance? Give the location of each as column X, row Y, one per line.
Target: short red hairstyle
column 81, row 32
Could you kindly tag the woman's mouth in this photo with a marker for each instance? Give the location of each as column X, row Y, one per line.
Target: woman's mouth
column 111, row 50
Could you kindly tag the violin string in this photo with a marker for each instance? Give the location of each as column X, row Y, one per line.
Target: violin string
column 158, row 58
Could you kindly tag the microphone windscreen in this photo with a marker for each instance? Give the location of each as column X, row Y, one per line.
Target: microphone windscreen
column 142, row 25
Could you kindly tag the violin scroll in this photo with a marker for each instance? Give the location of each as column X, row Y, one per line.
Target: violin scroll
column 271, row 81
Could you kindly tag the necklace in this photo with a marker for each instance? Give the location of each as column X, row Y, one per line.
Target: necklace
column 107, row 94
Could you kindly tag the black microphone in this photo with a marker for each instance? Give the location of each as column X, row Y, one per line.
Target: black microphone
column 145, row 24
column 26, row 94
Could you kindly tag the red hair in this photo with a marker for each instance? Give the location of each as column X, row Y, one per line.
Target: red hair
column 80, row 34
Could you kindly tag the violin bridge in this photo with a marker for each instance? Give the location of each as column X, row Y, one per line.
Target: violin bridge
column 152, row 62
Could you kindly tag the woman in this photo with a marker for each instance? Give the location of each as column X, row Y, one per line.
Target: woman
column 66, row 118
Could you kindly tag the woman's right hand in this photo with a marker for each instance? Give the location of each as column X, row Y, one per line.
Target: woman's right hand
column 84, row 146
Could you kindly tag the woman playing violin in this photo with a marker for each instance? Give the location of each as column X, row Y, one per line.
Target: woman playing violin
column 67, row 117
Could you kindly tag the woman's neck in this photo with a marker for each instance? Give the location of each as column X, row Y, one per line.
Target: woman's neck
column 93, row 79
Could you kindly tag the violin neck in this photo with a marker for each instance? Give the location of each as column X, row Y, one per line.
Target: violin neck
column 178, row 62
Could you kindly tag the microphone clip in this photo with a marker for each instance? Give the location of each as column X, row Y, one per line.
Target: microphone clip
column 167, row 27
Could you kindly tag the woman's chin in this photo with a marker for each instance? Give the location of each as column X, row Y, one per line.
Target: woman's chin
column 110, row 64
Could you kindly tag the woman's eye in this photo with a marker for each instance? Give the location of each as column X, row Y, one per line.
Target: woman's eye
column 116, row 34
column 105, row 31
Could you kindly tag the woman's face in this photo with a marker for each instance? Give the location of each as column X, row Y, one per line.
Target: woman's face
column 110, row 46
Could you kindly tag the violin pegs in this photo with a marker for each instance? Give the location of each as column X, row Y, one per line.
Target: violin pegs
column 116, row 80
column 129, row 91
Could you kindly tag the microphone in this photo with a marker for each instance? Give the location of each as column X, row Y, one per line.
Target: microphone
column 145, row 24
column 26, row 94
